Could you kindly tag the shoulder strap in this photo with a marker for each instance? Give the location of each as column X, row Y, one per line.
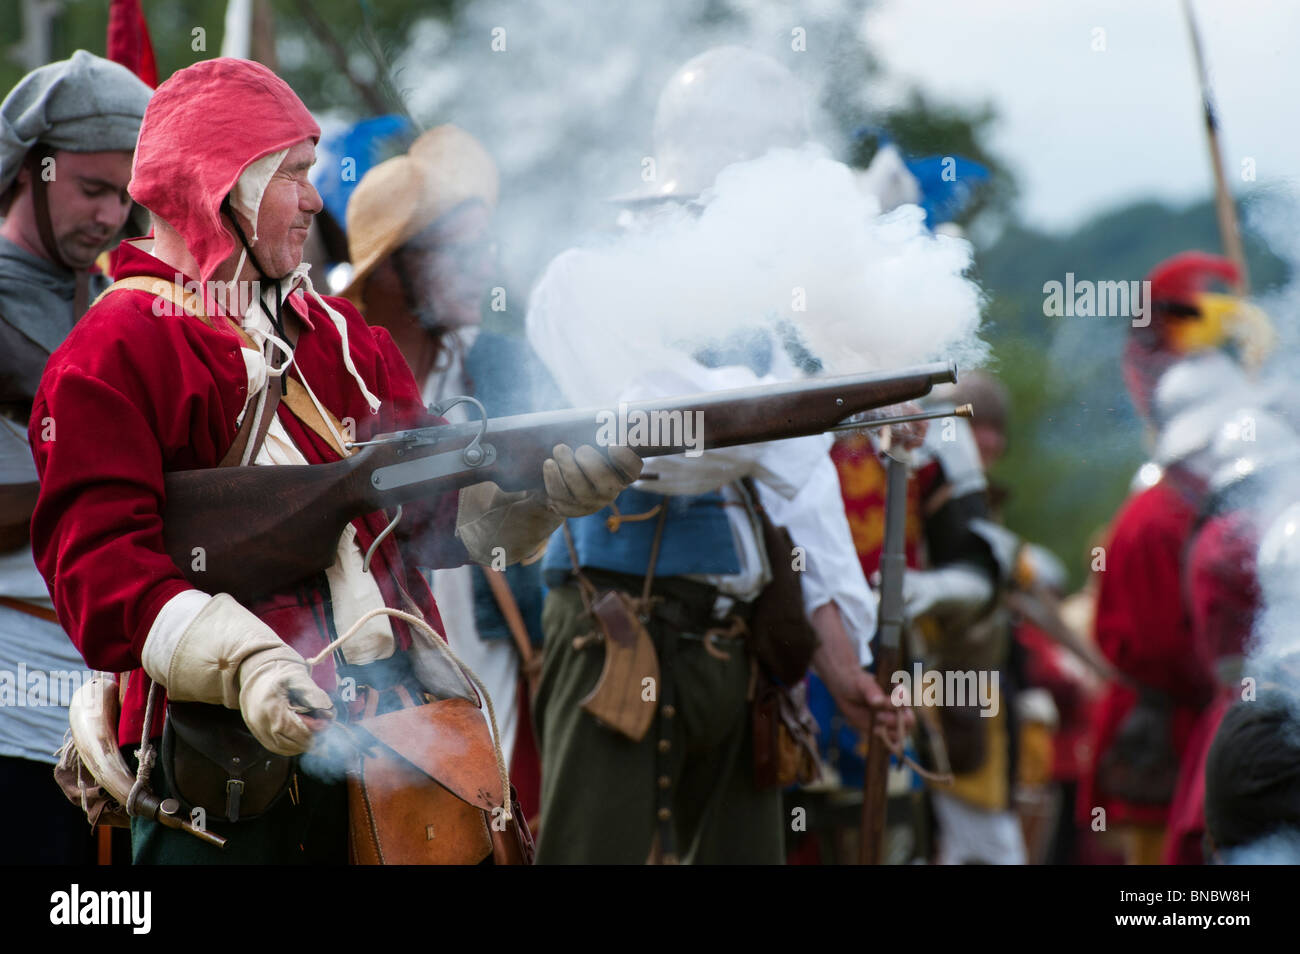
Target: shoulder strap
column 295, row 397
column 162, row 287
column 188, row 302
column 299, row 402
column 514, row 619
column 255, row 425
column 267, row 402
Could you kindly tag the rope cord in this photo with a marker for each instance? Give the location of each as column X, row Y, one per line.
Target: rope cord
column 894, row 743
column 146, row 754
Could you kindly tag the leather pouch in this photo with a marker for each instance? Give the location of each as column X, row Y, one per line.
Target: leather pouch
column 785, row 737
column 630, row 659
column 212, row 761
column 426, row 790
column 780, row 635
column 1140, row 765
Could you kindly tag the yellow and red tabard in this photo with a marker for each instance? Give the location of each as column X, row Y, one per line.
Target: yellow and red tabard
column 862, row 486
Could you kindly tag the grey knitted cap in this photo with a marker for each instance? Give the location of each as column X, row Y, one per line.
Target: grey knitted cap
column 82, row 104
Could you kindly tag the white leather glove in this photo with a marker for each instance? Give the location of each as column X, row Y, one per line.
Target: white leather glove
column 500, row 528
column 496, row 526
column 227, row 656
column 582, row 482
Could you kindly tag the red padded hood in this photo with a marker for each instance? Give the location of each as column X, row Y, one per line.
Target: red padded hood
column 202, row 129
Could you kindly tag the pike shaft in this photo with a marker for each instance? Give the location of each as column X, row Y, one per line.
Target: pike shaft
column 1225, row 208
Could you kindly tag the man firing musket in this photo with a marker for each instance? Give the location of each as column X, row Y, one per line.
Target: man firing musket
column 166, row 373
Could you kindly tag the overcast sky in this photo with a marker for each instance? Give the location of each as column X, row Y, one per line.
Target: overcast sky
column 1086, row 130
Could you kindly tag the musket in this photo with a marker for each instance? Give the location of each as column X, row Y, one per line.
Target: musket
column 249, row 531
column 962, row 410
column 893, row 564
column 890, row 623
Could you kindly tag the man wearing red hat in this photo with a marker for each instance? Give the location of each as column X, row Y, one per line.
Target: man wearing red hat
column 1142, row 724
column 161, row 374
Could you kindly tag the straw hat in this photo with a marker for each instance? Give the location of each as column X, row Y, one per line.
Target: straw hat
column 399, row 198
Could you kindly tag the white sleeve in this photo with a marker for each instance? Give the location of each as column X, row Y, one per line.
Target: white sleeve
column 952, row 444
column 832, row 572
column 568, row 327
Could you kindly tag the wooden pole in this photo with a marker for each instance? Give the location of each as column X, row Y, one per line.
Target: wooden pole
column 1224, row 206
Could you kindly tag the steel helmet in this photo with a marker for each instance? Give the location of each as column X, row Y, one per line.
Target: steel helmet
column 726, row 105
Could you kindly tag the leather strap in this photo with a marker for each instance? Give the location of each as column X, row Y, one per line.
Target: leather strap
column 192, row 305
column 81, row 295
column 585, row 588
column 31, row 609
column 514, row 619
column 41, row 202
column 654, row 558
column 235, row 454
column 45, row 228
column 297, row 400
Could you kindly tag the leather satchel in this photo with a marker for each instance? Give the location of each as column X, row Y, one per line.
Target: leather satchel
column 426, row 790
column 212, row 761
column 630, row 659
column 780, row 635
column 785, row 737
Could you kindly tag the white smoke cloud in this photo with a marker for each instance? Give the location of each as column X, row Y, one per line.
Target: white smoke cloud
column 787, row 238
column 1271, row 216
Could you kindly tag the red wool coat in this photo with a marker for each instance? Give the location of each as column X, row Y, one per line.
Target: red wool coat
column 130, row 396
column 1225, row 597
column 1143, row 627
